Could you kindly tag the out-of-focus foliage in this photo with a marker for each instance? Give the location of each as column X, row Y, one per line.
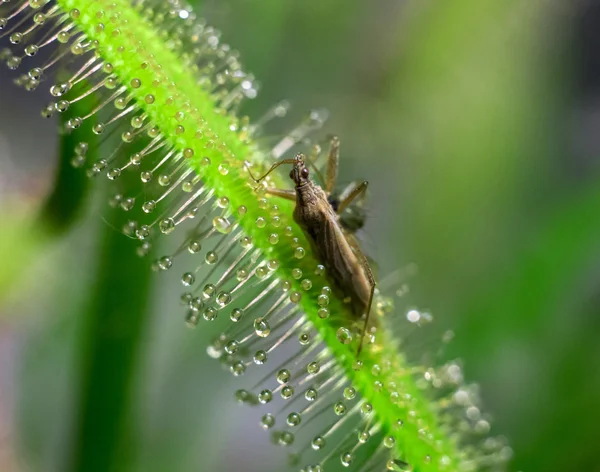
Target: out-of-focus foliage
column 468, row 119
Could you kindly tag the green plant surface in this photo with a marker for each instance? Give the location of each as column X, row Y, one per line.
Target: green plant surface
column 166, row 79
column 455, row 124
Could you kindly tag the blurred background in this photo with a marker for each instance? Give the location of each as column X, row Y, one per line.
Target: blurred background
column 478, row 126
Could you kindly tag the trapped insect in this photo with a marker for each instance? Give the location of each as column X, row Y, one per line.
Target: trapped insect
column 319, row 217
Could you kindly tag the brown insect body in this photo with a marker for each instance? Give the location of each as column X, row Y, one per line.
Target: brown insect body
column 315, row 215
column 345, row 264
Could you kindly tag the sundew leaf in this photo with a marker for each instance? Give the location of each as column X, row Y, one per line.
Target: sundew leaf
column 171, row 90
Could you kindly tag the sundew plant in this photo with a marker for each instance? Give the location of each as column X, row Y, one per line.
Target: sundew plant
column 148, row 96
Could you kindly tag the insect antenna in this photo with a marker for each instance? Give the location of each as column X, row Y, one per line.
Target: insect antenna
column 272, row 168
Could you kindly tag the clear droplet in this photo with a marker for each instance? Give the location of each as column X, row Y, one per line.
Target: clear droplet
column 194, row 247
column 265, row 396
column 310, row 394
column 283, row 376
column 236, row 315
column 344, row 335
column 318, row 443
column 267, row 421
column 262, row 327
column 188, row 279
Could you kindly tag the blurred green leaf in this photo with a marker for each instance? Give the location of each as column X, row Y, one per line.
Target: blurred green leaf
column 105, row 436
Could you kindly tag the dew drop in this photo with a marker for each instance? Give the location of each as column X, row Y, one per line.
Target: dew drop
column 223, row 298
column 344, row 335
column 323, row 313
column 196, row 303
column 306, row 284
column 222, row 225
column 274, row 238
column 397, row 465
column 194, row 247
column 146, row 176
column 296, row 273
column 260, row 357
column 143, row 232
column 188, row 279
column 293, row 419
column 285, row 439
column 313, row 368
column 339, row 409
column 347, row 458
column 261, row 222
column 208, row 291
column 311, row 394
column 287, row 392
column 267, row 421
column 299, row 253
column 231, row 347
column 349, row 393
column 304, row 338
column 262, row 328
column 210, row 313
column 323, row 300
column 237, row 368
column 149, row 206
column 165, row 263
column 191, row 318
column 389, row 442
column 98, row 128
column 243, row 396
column 318, row 443
column 295, row 297
column 363, row 436
column 265, row 396
column 114, row 173
column 283, row 376
column 223, row 167
column 211, row 257
column 236, row 315
column 128, row 203
column 164, row 180
column 166, row 226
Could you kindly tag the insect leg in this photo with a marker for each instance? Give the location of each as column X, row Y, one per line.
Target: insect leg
column 288, row 194
column 333, row 162
column 367, row 268
column 355, row 192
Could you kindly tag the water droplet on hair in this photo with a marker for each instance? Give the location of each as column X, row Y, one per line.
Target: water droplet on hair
column 166, row 226
column 236, row 315
column 344, row 335
column 260, row 357
column 188, row 279
column 347, row 458
column 238, row 368
column 339, row 409
column 194, row 247
column 222, row 225
column 310, row 394
column 210, row 313
column 267, row 421
column 165, row 263
column 262, row 327
column 318, row 443
column 208, row 291
column 293, row 419
column 265, row 396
